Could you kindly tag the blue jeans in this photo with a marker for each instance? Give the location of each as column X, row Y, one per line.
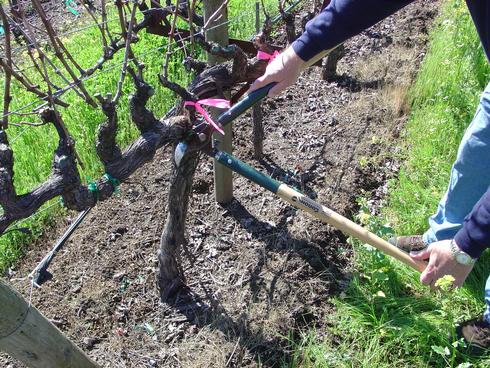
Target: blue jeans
column 470, row 179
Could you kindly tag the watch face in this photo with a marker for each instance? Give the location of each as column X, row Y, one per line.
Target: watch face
column 463, row 259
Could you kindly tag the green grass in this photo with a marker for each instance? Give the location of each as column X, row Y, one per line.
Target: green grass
column 445, row 97
column 33, row 147
column 386, row 318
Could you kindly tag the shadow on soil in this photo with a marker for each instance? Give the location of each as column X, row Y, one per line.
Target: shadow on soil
column 354, row 85
column 207, row 310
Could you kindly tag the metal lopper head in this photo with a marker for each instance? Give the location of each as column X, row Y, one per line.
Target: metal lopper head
column 204, row 135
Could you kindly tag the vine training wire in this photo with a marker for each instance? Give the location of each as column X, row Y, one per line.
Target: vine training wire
column 74, row 31
column 112, row 67
column 36, row 214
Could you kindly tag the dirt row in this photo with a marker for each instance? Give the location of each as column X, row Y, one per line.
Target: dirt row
column 258, row 271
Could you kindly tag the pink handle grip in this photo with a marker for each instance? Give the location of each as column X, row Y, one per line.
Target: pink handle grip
column 261, row 55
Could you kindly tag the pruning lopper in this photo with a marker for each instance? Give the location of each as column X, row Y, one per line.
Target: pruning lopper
column 200, row 139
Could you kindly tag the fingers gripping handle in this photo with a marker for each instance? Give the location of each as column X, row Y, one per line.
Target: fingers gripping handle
column 345, row 225
column 244, row 104
column 253, row 97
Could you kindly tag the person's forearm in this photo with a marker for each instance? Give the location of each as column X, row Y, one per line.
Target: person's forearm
column 341, row 20
column 474, row 237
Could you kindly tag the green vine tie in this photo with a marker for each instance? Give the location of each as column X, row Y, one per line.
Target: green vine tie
column 114, row 182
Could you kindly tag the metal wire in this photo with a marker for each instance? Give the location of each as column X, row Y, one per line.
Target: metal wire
column 96, row 75
column 77, row 30
column 25, row 107
column 35, row 214
column 24, row 131
column 110, row 68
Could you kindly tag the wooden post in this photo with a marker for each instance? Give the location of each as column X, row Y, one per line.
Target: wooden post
column 223, row 180
column 26, row 335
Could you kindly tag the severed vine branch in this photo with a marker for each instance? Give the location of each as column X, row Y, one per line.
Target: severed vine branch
column 128, row 35
column 61, row 52
column 288, row 19
column 7, row 98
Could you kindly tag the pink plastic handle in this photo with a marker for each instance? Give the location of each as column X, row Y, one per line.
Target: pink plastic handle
column 214, row 102
column 261, row 55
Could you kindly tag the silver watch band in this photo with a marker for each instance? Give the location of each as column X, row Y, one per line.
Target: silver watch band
column 461, row 256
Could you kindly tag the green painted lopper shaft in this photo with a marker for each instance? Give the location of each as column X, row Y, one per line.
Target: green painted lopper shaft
column 247, row 171
column 315, row 209
column 244, row 104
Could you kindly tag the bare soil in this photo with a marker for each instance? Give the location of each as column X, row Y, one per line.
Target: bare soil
column 258, row 271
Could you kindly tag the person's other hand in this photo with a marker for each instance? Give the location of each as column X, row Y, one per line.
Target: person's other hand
column 284, row 69
column 441, row 263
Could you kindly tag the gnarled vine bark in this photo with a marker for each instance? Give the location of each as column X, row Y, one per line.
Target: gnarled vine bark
column 119, row 164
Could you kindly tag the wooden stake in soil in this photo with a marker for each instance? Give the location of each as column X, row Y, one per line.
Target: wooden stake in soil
column 26, row 335
column 223, row 180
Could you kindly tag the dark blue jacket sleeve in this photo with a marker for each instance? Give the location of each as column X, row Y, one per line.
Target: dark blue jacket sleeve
column 474, row 237
column 341, row 20
column 480, row 12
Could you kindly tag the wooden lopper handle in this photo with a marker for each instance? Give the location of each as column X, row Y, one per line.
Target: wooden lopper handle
column 347, row 226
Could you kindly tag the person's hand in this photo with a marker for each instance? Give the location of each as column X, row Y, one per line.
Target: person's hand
column 284, row 69
column 441, row 263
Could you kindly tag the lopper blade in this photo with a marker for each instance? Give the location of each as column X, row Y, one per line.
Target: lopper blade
column 179, row 153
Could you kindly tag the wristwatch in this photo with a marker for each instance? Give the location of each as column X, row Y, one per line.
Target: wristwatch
column 460, row 256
